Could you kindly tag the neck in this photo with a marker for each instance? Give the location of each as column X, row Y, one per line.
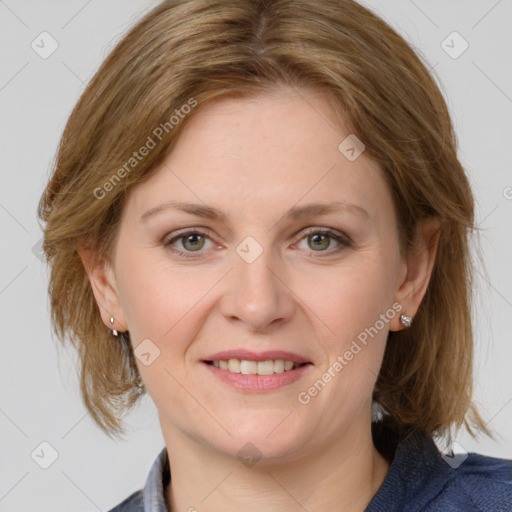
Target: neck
column 342, row 475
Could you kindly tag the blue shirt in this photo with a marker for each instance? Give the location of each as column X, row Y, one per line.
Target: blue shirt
column 420, row 479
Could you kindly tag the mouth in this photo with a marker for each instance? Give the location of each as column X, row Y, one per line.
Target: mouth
column 250, row 367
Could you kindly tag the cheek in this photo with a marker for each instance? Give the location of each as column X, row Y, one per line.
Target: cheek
column 353, row 297
column 356, row 315
column 355, row 308
column 160, row 307
column 156, row 298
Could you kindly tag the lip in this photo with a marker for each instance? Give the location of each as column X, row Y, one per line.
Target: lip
column 258, row 383
column 257, row 356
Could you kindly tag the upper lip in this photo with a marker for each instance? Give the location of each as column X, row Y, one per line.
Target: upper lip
column 257, row 356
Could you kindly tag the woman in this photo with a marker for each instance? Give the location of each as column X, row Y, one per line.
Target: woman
column 257, row 216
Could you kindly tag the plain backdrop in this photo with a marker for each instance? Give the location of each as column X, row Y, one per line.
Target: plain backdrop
column 39, row 399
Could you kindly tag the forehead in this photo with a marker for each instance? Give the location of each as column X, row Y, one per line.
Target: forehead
column 265, row 153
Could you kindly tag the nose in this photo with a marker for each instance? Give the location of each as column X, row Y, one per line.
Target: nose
column 256, row 294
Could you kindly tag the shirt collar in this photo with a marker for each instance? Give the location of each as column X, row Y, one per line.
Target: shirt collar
column 156, row 483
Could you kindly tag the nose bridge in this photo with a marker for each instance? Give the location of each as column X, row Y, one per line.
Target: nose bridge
column 257, row 295
column 254, row 267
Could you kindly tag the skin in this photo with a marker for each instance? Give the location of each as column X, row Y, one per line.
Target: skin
column 254, row 159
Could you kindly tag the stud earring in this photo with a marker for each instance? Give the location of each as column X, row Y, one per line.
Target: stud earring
column 406, row 321
column 114, row 332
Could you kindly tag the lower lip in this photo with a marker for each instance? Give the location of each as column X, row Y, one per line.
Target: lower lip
column 258, row 382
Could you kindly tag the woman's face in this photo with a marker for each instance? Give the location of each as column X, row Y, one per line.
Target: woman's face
column 260, row 275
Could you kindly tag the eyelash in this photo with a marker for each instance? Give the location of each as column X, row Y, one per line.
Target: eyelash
column 342, row 240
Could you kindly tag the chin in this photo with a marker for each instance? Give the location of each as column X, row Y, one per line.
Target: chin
column 262, row 442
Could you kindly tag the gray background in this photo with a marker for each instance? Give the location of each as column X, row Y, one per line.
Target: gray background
column 39, row 398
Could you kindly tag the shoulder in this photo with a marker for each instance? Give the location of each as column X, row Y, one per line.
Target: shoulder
column 422, row 479
column 480, row 483
column 134, row 503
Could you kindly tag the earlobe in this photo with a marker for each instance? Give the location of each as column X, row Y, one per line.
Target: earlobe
column 418, row 270
column 103, row 285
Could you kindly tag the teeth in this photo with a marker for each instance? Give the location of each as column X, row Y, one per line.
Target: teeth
column 247, row 367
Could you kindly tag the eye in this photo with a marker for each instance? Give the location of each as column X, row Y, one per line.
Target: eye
column 191, row 241
column 319, row 240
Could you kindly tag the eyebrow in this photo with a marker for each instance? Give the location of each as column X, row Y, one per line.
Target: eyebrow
column 293, row 214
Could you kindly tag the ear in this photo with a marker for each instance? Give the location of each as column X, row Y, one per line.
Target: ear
column 103, row 284
column 416, row 271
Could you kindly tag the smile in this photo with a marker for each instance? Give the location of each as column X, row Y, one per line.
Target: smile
column 248, row 367
column 245, row 375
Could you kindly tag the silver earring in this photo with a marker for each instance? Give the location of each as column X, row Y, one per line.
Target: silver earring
column 406, row 320
column 114, row 332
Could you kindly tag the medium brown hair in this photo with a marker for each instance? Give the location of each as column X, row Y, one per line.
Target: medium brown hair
column 186, row 51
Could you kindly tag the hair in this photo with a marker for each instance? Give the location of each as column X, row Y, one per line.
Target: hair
column 184, row 53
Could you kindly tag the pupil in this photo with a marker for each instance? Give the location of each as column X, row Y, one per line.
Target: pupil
column 318, row 239
column 194, row 240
